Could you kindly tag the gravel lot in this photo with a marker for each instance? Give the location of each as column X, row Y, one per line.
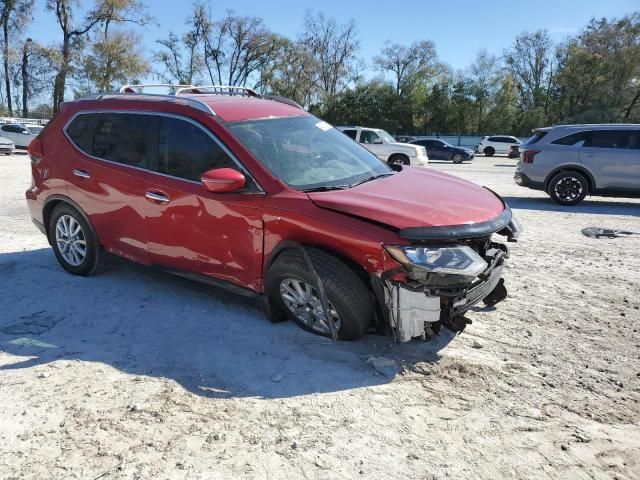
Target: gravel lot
column 127, row 375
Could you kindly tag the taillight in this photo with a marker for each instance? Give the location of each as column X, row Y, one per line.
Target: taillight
column 527, row 155
column 35, row 150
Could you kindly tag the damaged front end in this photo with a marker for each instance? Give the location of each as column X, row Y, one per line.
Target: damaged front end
column 443, row 272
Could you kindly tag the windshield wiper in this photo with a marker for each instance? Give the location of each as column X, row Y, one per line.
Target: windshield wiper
column 368, row 179
column 326, row 188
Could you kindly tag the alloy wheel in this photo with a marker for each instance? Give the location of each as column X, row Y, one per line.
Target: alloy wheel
column 70, row 240
column 568, row 189
column 303, row 301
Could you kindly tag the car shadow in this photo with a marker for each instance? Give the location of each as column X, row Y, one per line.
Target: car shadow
column 146, row 325
column 595, row 205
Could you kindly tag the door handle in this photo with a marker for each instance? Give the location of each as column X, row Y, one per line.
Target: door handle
column 589, row 154
column 81, row 173
column 157, row 197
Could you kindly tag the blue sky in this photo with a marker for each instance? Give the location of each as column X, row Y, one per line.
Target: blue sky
column 458, row 28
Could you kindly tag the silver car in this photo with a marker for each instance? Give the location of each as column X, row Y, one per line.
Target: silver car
column 571, row 161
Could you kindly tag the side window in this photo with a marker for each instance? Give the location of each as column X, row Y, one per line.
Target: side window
column 6, row 128
column 124, row 138
column 369, row 137
column 609, row 139
column 493, row 139
column 80, row 131
column 350, row 133
column 186, row 151
column 635, row 140
column 571, row 139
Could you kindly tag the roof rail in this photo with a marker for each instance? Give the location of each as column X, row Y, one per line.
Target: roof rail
column 219, row 89
column 140, row 88
column 193, row 102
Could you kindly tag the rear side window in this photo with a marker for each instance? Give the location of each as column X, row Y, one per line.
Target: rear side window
column 80, row 131
column 609, row 139
column 571, row 139
column 537, row 136
column 186, row 151
column 124, row 138
column 350, row 133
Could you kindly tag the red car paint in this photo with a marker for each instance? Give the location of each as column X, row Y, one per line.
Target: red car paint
column 233, row 236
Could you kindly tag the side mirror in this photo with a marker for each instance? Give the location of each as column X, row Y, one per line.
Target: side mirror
column 221, row 180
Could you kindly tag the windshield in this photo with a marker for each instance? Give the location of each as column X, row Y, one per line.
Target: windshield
column 307, row 153
column 34, row 130
column 385, row 136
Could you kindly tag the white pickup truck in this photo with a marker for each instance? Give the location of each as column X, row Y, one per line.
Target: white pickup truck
column 384, row 146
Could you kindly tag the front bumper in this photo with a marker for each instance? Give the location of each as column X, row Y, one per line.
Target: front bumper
column 413, row 308
column 419, row 161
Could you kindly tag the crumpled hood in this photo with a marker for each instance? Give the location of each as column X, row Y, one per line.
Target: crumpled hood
column 414, row 197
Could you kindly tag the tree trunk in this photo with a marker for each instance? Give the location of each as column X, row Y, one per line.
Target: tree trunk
column 5, row 58
column 25, row 80
column 61, row 77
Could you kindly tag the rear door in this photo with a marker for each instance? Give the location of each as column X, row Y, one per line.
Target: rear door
column 114, row 152
column 191, row 229
column 614, row 158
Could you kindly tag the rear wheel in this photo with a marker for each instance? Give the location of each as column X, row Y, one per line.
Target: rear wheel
column 568, row 188
column 398, row 159
column 290, row 285
column 74, row 242
column 489, row 151
column 457, row 158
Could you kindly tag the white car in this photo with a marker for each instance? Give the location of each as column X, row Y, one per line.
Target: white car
column 500, row 144
column 6, row 146
column 20, row 134
column 385, row 147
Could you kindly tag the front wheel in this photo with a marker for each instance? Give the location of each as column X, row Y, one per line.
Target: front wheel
column 489, row 151
column 74, row 243
column 291, row 285
column 457, row 158
column 568, row 188
column 398, row 159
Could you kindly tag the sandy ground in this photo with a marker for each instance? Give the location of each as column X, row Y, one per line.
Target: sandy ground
column 127, row 375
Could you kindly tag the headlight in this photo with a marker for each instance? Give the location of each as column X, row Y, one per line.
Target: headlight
column 458, row 260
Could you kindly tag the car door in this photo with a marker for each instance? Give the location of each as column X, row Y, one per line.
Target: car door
column 194, row 230
column 107, row 178
column 373, row 142
column 10, row 132
column 613, row 157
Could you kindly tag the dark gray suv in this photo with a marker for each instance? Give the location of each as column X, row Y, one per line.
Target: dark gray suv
column 571, row 161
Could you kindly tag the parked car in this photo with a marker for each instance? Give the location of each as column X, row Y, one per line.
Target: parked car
column 404, row 138
column 441, row 150
column 497, row 144
column 570, row 162
column 259, row 196
column 384, row 146
column 514, row 151
column 20, row 134
column 6, row 146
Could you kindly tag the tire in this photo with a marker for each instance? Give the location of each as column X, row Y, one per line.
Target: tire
column 568, row 188
column 489, row 151
column 347, row 294
column 399, row 159
column 93, row 261
column 457, row 158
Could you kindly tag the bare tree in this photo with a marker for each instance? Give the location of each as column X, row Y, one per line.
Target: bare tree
column 72, row 35
column 238, row 47
column 332, row 51
column 530, row 61
column 408, row 65
column 14, row 15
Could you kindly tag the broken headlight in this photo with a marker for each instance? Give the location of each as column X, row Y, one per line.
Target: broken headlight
column 456, row 260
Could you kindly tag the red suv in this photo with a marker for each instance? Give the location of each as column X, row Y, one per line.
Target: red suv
column 227, row 187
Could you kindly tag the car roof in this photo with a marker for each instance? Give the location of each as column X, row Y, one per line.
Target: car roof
column 232, row 108
column 594, row 126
